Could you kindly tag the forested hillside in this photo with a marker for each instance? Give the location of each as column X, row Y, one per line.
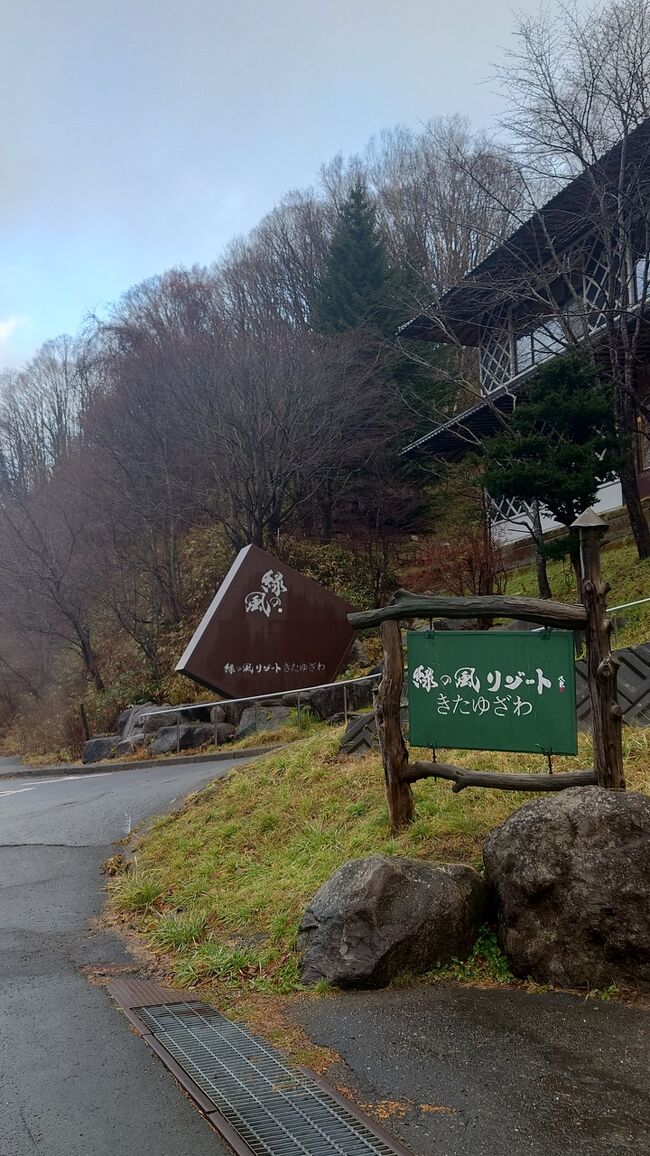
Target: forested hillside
column 262, row 398
column 267, row 396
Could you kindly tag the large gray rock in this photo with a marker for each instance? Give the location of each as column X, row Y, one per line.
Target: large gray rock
column 225, row 732
column 570, row 874
column 266, row 718
column 201, row 733
column 381, row 916
column 102, row 747
column 130, row 746
column 132, row 719
column 232, row 711
column 330, row 700
column 197, row 714
column 170, row 739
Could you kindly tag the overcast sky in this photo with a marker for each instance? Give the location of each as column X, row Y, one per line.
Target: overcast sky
column 139, row 134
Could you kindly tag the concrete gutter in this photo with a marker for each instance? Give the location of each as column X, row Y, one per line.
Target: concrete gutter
column 128, row 764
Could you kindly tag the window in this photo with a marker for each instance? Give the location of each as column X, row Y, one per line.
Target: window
column 548, row 339
column 540, row 344
column 524, row 351
column 642, row 278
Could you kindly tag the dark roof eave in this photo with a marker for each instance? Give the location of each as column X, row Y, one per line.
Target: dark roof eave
column 454, row 437
column 479, row 289
column 428, row 327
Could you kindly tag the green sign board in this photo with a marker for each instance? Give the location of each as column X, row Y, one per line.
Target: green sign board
column 493, row 691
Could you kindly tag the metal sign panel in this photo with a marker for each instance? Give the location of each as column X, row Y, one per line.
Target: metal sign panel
column 268, row 629
column 493, row 691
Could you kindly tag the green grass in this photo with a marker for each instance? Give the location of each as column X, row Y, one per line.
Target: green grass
column 220, row 886
column 628, row 577
column 137, row 893
column 486, row 964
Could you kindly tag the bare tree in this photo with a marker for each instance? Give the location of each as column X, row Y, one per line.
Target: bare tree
column 273, row 430
column 46, row 569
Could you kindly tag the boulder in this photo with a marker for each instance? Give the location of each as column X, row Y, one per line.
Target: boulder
column 330, row 699
column 266, row 718
column 131, row 719
column 290, row 699
column 381, row 916
column 201, row 733
column 102, row 747
column 455, row 624
column 570, row 875
column 127, row 747
column 157, row 722
column 225, row 731
column 232, row 711
column 337, row 720
column 218, row 714
column 198, row 714
column 167, row 738
column 358, row 654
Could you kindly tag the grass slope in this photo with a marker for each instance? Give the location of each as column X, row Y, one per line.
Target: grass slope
column 218, row 888
column 628, row 577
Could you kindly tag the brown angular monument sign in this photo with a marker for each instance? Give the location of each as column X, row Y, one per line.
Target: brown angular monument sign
column 268, row 629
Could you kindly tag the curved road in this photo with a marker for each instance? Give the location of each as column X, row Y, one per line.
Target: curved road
column 74, row 1079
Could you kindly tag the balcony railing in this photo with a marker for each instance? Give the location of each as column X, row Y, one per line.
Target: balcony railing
column 506, row 354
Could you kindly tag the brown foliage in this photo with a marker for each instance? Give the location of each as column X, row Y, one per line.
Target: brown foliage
column 465, row 564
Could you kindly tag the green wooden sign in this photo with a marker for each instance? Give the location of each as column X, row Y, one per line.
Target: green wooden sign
column 492, row 691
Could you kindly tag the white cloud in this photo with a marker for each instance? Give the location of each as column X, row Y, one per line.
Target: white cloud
column 8, row 326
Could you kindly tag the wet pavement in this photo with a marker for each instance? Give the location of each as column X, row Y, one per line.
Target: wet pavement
column 473, row 1072
column 74, row 1078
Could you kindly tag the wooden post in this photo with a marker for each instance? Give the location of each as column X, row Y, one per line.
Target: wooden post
column 84, row 721
column 602, row 666
column 401, row 804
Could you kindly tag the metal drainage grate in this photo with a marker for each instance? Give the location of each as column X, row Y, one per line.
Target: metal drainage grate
column 276, row 1110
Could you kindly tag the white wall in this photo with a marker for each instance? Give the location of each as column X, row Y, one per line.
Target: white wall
column 609, row 497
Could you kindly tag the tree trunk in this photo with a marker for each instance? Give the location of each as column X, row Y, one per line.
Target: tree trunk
column 574, row 555
column 89, row 659
column 602, row 666
column 632, row 499
column 326, row 512
column 626, row 418
column 401, row 804
column 84, row 721
column 258, row 534
column 541, row 572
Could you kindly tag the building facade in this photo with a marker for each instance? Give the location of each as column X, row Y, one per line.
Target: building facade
column 576, row 272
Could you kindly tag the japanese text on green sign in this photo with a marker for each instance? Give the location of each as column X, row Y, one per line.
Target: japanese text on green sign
column 497, row 691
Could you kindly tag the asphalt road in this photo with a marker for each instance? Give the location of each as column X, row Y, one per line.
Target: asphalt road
column 74, row 1079
column 468, row 1072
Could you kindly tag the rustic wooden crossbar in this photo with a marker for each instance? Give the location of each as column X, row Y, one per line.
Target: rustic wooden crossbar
column 462, row 778
column 404, row 604
column 601, row 664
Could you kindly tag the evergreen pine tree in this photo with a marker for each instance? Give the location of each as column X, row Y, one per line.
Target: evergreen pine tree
column 360, row 291
column 354, row 289
column 561, row 445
